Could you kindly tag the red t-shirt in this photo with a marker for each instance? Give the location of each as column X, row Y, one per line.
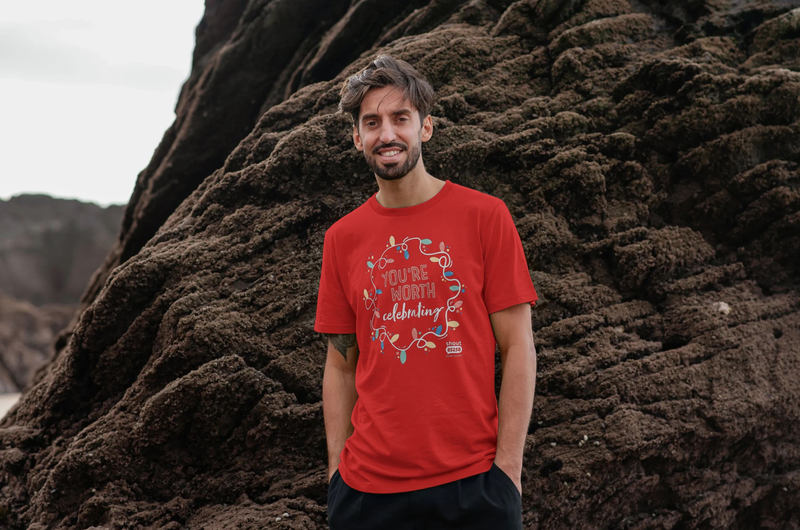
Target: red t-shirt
column 416, row 285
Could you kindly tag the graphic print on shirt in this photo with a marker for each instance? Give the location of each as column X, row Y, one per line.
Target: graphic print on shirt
column 413, row 296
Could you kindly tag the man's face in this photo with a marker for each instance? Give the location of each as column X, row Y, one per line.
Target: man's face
column 389, row 133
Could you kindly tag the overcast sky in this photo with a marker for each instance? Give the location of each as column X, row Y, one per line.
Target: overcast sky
column 87, row 89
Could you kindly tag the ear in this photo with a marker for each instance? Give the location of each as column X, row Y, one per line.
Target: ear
column 427, row 128
column 357, row 139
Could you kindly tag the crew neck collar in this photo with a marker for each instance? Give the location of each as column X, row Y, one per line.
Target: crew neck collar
column 410, row 210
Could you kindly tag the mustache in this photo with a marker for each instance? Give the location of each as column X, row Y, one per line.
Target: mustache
column 399, row 145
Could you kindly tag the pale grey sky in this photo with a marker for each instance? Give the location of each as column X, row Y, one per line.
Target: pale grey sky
column 87, row 89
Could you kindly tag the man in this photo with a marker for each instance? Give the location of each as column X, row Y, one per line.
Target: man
column 417, row 284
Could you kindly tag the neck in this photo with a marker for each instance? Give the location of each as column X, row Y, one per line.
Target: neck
column 414, row 188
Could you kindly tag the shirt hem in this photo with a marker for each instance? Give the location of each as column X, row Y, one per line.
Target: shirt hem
column 406, row 485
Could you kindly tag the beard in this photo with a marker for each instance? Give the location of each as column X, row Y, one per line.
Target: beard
column 395, row 170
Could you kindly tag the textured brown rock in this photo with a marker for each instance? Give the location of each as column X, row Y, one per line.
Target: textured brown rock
column 649, row 154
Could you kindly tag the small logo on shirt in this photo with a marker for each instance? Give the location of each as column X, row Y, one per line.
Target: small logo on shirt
column 453, row 348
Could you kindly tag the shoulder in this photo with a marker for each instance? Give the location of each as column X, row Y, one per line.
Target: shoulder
column 353, row 221
column 475, row 201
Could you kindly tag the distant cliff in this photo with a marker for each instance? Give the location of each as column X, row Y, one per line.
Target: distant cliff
column 50, row 247
column 27, row 336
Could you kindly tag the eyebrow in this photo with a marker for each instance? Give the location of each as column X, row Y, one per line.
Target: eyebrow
column 365, row 117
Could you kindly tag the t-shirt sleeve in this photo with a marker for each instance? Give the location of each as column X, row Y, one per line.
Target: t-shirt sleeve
column 334, row 313
column 507, row 280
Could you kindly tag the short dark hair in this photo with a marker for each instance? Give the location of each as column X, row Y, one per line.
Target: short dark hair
column 382, row 71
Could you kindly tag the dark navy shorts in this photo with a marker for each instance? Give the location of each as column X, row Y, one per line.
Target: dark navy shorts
column 486, row 500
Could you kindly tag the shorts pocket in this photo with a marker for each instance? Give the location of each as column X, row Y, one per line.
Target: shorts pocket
column 505, row 478
column 333, row 483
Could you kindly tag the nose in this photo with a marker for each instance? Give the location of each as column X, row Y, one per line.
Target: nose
column 387, row 132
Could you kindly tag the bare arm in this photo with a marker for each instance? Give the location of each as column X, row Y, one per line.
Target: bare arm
column 339, row 394
column 512, row 329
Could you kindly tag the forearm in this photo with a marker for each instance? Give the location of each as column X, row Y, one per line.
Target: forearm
column 338, row 399
column 515, row 405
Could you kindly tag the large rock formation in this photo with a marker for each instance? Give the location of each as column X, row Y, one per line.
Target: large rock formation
column 649, row 152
